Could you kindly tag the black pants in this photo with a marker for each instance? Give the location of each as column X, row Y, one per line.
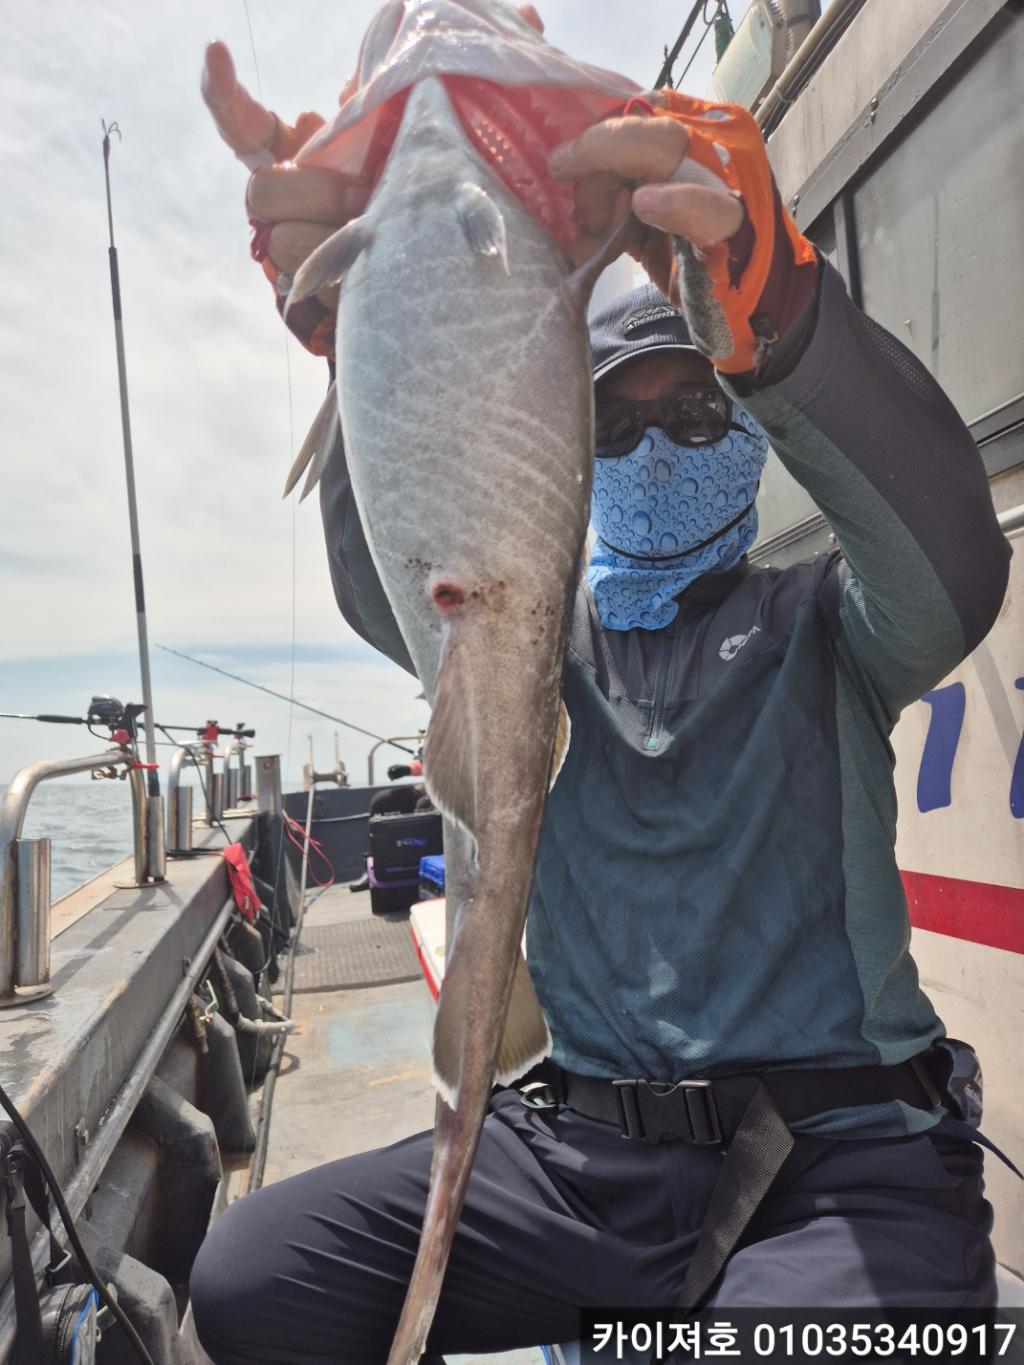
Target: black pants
column 563, row 1212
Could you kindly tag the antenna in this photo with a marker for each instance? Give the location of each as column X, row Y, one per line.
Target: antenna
column 153, row 781
column 665, row 74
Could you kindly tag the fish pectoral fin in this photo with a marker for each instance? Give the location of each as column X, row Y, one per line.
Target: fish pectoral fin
column 482, row 222
column 450, row 759
column 580, row 284
column 331, row 261
column 321, row 438
column 562, row 737
column 526, row 1040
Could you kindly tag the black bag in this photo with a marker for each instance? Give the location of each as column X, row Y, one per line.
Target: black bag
column 398, row 842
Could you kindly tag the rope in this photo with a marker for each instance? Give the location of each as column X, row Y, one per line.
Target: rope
column 304, row 841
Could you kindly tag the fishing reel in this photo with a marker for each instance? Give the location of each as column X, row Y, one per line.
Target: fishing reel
column 104, row 710
column 121, row 721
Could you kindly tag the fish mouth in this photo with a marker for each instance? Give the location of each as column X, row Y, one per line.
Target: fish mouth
column 513, row 129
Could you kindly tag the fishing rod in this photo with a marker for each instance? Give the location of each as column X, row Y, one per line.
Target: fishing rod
column 723, row 34
column 211, row 729
column 47, row 720
column 283, row 696
column 153, row 781
column 665, row 74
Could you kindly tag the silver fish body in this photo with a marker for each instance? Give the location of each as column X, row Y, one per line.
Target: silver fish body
column 466, row 404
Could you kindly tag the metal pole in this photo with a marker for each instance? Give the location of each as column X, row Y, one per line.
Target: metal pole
column 211, row 817
column 32, row 932
column 268, row 784
column 153, row 781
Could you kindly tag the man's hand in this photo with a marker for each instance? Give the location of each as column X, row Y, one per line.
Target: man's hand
column 700, row 173
column 292, row 208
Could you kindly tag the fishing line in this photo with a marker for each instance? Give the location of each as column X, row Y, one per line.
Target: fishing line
column 291, row 688
column 252, row 44
column 279, row 864
column 281, row 696
column 708, row 26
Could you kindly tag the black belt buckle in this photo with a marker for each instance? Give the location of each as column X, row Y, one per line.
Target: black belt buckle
column 666, row 1111
column 538, row 1095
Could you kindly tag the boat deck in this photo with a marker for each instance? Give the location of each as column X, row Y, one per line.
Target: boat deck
column 356, row 1071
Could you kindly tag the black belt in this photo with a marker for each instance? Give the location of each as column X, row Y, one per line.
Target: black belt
column 748, row 1116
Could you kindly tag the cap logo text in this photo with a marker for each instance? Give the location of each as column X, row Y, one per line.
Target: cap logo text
column 647, row 315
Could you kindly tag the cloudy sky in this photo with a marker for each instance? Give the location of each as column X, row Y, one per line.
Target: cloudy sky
column 213, row 423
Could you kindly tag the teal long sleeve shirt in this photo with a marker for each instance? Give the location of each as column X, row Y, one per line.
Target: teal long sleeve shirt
column 716, row 888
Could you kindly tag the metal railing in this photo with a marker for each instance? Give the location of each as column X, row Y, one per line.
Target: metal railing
column 392, row 739
column 221, row 790
column 179, row 798
column 25, row 866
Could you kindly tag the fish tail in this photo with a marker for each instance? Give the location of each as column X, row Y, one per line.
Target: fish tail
column 456, row 1136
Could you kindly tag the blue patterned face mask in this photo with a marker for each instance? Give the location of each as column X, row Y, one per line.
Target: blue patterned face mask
column 661, row 514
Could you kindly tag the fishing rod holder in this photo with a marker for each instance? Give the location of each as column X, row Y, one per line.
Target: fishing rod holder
column 179, row 798
column 25, row 867
column 338, row 774
column 237, row 775
column 392, row 739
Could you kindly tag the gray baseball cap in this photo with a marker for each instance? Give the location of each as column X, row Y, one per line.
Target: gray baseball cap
column 642, row 320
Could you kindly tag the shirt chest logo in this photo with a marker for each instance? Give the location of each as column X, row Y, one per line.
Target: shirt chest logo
column 732, row 645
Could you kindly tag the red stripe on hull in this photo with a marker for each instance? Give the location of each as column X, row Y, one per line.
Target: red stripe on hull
column 428, row 974
column 979, row 912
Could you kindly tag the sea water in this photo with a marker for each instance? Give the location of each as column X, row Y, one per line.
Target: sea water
column 89, row 825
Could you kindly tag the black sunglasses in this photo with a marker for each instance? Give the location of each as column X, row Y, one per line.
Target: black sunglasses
column 692, row 415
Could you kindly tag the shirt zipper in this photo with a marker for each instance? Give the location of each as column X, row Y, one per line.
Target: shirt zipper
column 657, row 714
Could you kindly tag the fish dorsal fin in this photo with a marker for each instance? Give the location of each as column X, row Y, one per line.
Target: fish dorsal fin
column 320, row 439
column 450, row 761
column 482, row 222
column 331, row 261
column 562, row 737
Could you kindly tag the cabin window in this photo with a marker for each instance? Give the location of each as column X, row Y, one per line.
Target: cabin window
column 939, row 225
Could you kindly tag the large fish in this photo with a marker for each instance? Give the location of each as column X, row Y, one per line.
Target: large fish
column 465, row 397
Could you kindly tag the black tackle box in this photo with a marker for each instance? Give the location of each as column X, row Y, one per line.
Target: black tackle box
column 397, row 843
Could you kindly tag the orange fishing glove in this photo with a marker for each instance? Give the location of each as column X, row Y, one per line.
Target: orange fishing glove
column 309, row 321
column 741, row 296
